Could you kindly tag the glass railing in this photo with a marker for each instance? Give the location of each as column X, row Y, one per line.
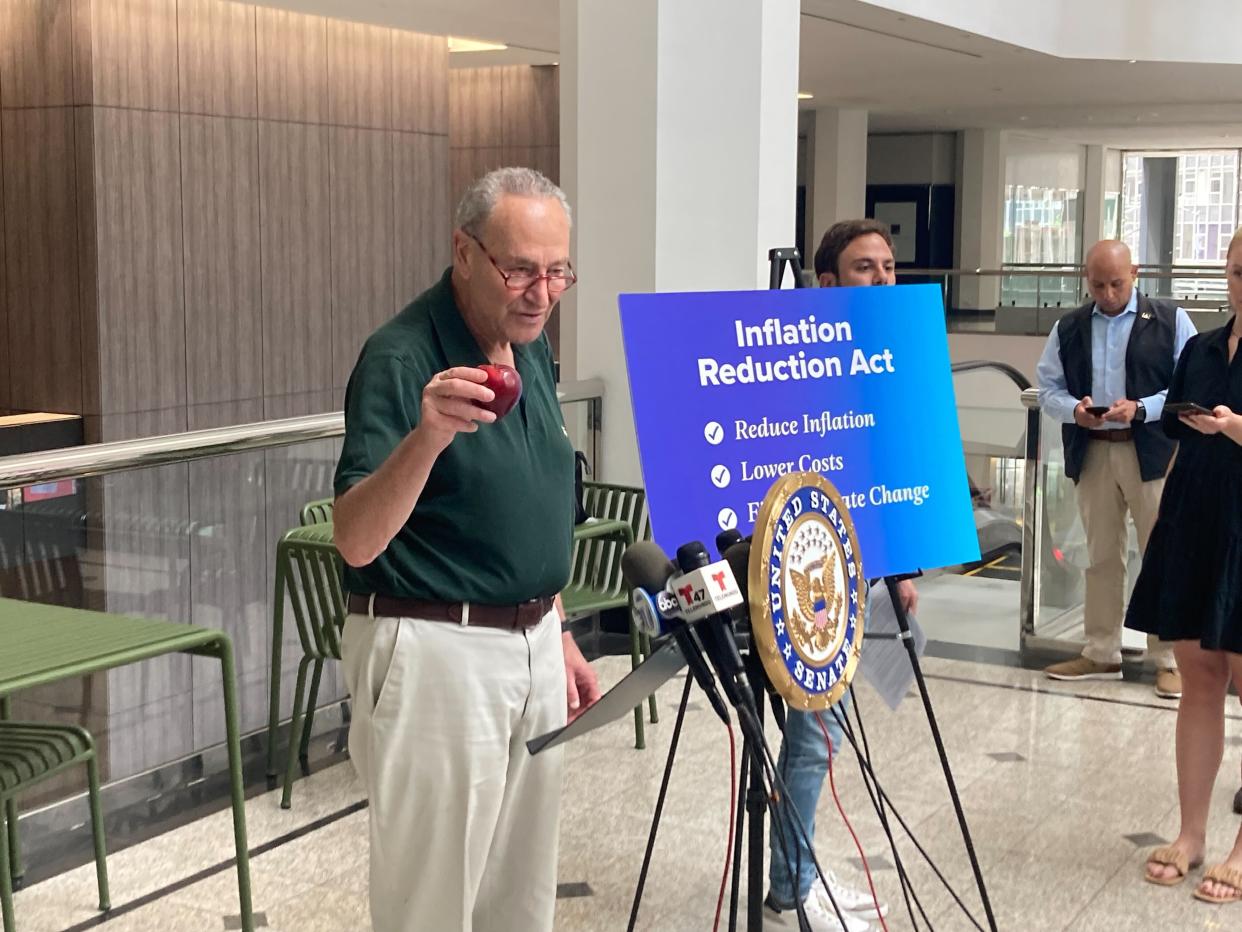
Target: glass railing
column 1028, row 300
column 1053, row 591
column 975, row 608
column 185, row 527
column 181, row 527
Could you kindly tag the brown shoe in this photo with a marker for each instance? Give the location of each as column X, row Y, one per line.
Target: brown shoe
column 1083, row 669
column 1168, row 684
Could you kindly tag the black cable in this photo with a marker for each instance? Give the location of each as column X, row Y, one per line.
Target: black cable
column 925, row 696
column 750, row 720
column 914, row 840
column 907, row 886
column 740, row 831
column 804, row 924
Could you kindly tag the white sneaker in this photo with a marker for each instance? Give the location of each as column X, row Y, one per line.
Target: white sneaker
column 819, row 914
column 852, row 899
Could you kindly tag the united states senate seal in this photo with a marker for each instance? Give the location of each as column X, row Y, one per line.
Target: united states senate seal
column 806, row 591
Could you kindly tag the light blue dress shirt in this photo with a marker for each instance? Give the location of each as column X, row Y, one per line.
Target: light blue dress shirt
column 1110, row 337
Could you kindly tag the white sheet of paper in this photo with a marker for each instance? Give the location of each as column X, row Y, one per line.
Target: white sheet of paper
column 885, row 662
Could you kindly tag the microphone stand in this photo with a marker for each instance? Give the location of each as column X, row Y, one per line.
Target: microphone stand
column 751, row 807
column 659, row 807
column 756, row 800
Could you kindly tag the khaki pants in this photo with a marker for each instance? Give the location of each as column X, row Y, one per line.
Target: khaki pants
column 463, row 820
column 1109, row 486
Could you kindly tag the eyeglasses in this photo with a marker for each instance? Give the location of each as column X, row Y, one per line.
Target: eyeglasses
column 559, row 280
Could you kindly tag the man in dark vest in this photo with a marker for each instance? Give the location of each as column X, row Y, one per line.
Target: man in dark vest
column 1104, row 375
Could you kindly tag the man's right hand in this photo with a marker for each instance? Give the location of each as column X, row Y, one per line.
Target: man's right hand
column 451, row 405
column 1083, row 419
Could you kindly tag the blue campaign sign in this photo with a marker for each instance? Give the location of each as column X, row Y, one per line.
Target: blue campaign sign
column 732, row 390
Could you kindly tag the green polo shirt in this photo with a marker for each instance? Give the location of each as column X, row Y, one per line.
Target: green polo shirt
column 494, row 524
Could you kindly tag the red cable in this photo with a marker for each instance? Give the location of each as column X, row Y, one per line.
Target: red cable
column 837, row 799
column 732, row 818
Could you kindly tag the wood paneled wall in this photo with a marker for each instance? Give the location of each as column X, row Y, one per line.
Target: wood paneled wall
column 205, row 208
column 208, row 203
column 503, row 116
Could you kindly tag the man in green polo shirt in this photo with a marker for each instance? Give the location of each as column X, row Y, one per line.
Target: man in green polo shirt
column 456, row 529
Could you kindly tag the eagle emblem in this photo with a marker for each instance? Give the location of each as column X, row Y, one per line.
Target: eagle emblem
column 805, row 589
column 817, row 615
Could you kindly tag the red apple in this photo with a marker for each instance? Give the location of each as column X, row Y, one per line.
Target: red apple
column 507, row 384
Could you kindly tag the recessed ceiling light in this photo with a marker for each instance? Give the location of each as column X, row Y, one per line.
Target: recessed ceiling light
column 803, row 95
column 1133, row 61
column 458, row 44
column 1022, row 118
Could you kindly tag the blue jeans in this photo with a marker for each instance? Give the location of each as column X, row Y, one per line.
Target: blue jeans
column 803, row 765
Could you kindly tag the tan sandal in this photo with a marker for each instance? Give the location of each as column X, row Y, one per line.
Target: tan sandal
column 1170, row 857
column 1230, row 876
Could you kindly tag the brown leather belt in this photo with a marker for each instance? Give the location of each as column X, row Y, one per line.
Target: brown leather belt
column 1112, row 436
column 476, row 615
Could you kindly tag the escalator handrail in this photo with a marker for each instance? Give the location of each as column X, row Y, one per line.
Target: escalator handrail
column 1004, row 368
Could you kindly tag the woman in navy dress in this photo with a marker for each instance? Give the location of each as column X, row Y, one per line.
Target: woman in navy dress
column 1190, row 587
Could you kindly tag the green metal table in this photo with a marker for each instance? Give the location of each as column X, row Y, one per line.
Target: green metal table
column 41, row 644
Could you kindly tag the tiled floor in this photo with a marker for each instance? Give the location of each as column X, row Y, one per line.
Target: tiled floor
column 1054, row 778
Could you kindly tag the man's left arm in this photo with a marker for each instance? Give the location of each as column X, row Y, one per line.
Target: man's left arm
column 1154, row 404
column 581, row 684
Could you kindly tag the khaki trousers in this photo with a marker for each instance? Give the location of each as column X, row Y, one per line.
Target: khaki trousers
column 1109, row 486
column 463, row 820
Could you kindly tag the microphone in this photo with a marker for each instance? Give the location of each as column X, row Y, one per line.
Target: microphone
column 647, row 571
column 738, row 558
column 715, row 629
column 726, row 539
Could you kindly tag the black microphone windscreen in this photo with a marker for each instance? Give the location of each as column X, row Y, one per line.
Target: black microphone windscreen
column 692, row 556
column 726, row 539
column 645, row 566
column 738, row 558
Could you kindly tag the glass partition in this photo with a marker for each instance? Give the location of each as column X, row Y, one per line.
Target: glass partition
column 190, row 540
column 977, row 606
column 1057, row 617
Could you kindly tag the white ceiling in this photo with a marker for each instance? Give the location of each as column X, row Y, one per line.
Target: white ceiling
column 916, row 75
column 910, row 74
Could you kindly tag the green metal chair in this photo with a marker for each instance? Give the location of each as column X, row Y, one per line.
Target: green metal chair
column 30, row 753
column 316, row 512
column 308, row 574
column 618, row 518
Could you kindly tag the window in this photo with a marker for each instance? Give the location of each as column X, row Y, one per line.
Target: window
column 1197, row 232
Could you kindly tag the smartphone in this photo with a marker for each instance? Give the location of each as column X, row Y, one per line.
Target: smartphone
column 1097, row 410
column 1187, row 407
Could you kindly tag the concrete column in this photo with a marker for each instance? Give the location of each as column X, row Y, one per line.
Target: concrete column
column 839, row 174
column 1093, row 199
column 981, row 198
column 679, row 153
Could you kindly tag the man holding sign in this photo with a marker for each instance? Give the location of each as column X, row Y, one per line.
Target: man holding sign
column 852, row 253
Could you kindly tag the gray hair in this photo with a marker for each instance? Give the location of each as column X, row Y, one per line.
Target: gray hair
column 481, row 198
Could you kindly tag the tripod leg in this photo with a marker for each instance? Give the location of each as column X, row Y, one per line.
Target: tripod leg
column 743, row 777
column 756, row 804
column 904, row 624
column 655, row 819
column 772, row 798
